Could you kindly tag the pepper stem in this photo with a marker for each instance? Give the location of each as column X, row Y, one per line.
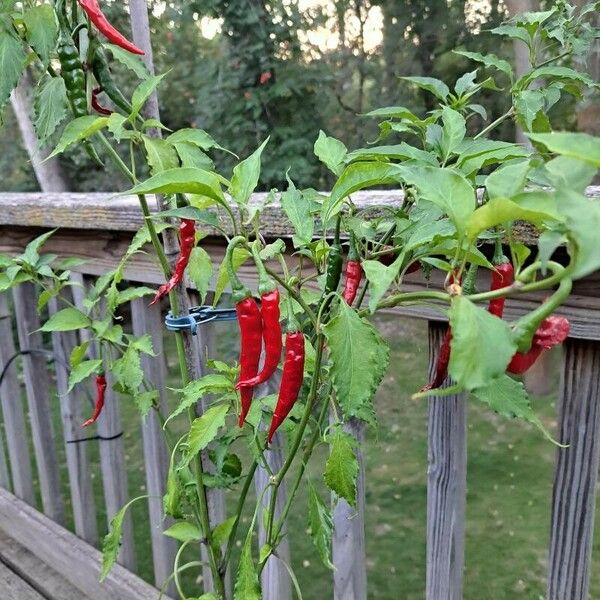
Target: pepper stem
column 292, row 323
column 238, row 290
column 499, row 256
column 265, row 282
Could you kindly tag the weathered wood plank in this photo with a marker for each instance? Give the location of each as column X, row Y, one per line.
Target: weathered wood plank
column 38, row 574
column 148, row 320
column 78, row 562
column 446, row 486
column 14, row 588
column 4, row 473
column 80, row 482
column 12, row 411
column 275, row 579
column 37, row 384
column 349, row 548
column 576, row 473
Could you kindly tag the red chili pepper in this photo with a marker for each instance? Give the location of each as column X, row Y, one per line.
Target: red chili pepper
column 96, row 16
column 187, row 241
column 502, row 276
column 291, row 379
column 100, row 391
column 354, row 273
column 552, row 331
column 96, row 104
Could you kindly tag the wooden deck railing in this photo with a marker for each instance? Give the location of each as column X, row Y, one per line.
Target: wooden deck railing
column 98, row 229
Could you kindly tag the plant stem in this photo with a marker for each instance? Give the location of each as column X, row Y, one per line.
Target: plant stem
column 295, row 295
column 509, row 113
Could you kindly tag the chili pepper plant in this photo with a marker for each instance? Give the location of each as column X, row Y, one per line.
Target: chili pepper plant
column 464, row 192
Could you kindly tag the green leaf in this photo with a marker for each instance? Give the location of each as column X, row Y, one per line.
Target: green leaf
column 581, row 146
column 238, row 258
column 359, row 360
column 78, row 354
column 570, row 173
column 67, row 319
column 184, row 532
column 145, row 401
column 131, row 61
column 133, row 293
column 247, row 586
column 204, row 429
column 196, row 137
column 200, row 270
column 321, row 525
column 82, row 371
column 476, row 154
column 380, row 279
column 341, row 468
column 222, row 532
column 112, row 540
column 77, row 130
column 330, row 152
column 356, row 176
column 31, row 253
column 191, row 212
column 41, row 30
column 192, row 157
column 453, row 132
column 297, row 208
column 513, row 32
column 534, row 207
column 528, row 104
column 394, row 112
column 160, row 154
column 181, row 181
column 438, row 88
column 477, row 333
column 245, row 176
column 508, row 180
column 142, row 93
column 508, row 397
column 50, row 106
column 12, row 63
column 445, row 188
column 402, row 151
column 489, row 60
column 128, row 370
column 557, row 73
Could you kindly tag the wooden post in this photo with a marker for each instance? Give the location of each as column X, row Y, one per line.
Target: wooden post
column 576, row 473
column 12, row 411
column 147, row 320
column 80, row 482
column 37, row 384
column 349, row 552
column 275, row 580
column 446, row 486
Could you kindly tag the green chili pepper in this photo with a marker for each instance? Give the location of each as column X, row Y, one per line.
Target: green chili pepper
column 334, row 269
column 104, row 78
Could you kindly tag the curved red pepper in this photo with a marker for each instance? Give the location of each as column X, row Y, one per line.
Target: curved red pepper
column 354, row 273
column 101, row 110
column 187, row 241
column 552, row 331
column 94, row 12
column 502, row 276
column 271, row 333
column 291, row 379
column 100, row 391
column 250, row 323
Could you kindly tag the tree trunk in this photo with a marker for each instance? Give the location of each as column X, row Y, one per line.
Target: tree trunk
column 48, row 173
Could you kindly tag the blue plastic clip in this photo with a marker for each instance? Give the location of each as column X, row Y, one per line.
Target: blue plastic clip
column 197, row 316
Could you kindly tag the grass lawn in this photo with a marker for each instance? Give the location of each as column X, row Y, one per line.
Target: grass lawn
column 508, row 499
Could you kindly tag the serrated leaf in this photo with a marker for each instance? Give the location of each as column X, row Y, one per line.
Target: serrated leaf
column 359, row 360
column 204, row 429
column 184, row 532
column 380, row 278
column 341, row 468
column 297, row 208
column 145, row 401
column 128, row 370
column 77, row 130
column 82, row 371
column 67, row 319
column 12, row 63
column 41, row 30
column 142, row 93
column 50, row 106
column 200, row 270
column 320, row 523
column 131, row 61
column 160, row 154
column 477, row 333
column 330, row 152
column 247, row 586
column 245, row 176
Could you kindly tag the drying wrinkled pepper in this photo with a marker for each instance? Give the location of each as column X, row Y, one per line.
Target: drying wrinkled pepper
column 354, row 273
column 101, row 110
column 250, row 324
column 71, row 70
column 502, row 276
column 271, row 328
column 104, row 78
column 292, row 376
column 94, row 12
column 443, row 359
column 553, row 331
column 99, row 405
